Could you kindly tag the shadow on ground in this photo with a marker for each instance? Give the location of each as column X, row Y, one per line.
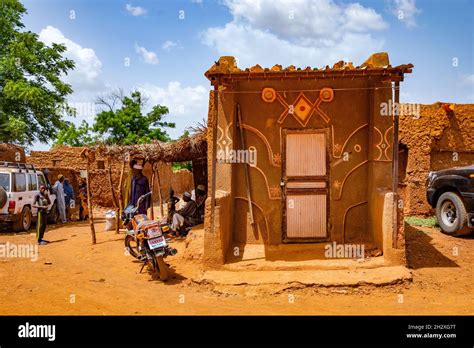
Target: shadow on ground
column 420, row 251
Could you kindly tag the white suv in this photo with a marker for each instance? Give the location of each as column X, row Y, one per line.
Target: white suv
column 19, row 184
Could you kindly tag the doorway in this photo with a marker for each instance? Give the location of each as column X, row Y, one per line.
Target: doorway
column 305, row 184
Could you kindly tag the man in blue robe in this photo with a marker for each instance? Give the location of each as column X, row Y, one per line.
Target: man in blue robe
column 139, row 187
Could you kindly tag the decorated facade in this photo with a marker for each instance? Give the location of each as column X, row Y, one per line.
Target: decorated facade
column 300, row 157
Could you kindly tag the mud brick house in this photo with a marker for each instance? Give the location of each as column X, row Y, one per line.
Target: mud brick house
column 323, row 157
column 438, row 138
column 67, row 160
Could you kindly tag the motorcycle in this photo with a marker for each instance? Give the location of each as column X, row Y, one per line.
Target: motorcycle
column 145, row 240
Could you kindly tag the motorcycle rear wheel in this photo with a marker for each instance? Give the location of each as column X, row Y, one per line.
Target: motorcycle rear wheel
column 161, row 268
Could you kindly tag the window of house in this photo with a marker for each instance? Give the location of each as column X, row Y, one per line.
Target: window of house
column 19, row 182
column 100, row 164
column 56, row 163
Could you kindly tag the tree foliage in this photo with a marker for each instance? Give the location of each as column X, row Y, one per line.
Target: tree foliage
column 32, row 94
column 76, row 136
column 127, row 124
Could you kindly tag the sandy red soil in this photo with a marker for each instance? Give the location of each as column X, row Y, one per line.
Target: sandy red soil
column 71, row 277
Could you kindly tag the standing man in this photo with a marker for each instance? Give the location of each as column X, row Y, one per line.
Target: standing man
column 59, row 189
column 41, row 202
column 139, row 187
column 68, row 196
column 83, row 207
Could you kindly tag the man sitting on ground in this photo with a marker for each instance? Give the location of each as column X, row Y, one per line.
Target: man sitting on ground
column 185, row 216
column 201, row 201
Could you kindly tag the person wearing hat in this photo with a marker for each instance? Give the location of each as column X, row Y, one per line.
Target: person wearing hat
column 139, row 187
column 201, row 200
column 68, row 196
column 41, row 202
column 186, row 215
column 60, row 198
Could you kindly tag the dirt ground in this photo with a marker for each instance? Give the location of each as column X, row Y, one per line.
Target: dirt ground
column 73, row 277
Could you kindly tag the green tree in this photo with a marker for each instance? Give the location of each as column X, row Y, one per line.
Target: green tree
column 128, row 125
column 76, row 136
column 183, row 165
column 31, row 91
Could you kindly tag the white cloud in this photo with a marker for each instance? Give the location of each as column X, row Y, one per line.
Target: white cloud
column 135, row 10
column 468, row 80
column 148, row 57
column 168, row 45
column 88, row 66
column 299, row 32
column 405, row 11
column 187, row 105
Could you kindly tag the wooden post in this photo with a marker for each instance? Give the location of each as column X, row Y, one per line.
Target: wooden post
column 89, row 204
column 159, row 188
column 395, row 164
column 114, row 196
column 246, row 168
column 120, row 191
column 214, row 156
column 152, row 213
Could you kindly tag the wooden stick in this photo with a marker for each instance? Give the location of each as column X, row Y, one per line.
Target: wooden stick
column 246, row 169
column 152, row 213
column 89, row 205
column 159, row 188
column 120, row 189
column 114, row 196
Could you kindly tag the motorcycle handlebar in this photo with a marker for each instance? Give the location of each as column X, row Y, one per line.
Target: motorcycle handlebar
column 141, row 198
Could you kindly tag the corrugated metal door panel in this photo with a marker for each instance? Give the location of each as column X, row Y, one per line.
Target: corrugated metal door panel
column 306, row 154
column 306, row 185
column 306, row 216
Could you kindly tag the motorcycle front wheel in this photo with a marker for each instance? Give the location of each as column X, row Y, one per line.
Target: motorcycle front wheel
column 131, row 245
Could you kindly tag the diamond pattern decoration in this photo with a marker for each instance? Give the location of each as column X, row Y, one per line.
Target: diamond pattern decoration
column 303, row 109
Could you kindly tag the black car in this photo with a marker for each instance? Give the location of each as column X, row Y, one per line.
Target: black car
column 451, row 193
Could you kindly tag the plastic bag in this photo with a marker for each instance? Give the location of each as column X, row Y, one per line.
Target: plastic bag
column 109, row 221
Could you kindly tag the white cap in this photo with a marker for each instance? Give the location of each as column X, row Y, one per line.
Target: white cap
column 137, row 166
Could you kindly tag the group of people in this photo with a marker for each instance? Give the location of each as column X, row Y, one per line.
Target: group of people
column 64, row 196
column 65, row 200
column 191, row 214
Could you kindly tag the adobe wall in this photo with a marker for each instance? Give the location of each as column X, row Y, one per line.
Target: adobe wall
column 437, row 140
column 12, row 153
column 355, row 127
column 66, row 157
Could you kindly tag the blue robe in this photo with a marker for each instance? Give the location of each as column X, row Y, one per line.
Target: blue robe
column 140, row 187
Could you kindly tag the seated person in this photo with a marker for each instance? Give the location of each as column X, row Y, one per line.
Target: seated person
column 186, row 215
column 201, row 201
column 171, row 204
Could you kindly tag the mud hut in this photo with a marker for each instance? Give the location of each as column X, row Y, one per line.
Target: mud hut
column 302, row 158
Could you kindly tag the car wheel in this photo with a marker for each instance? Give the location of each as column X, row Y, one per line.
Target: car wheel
column 3, row 197
column 24, row 223
column 451, row 214
column 53, row 215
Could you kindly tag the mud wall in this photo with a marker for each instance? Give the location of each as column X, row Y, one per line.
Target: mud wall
column 436, row 140
column 67, row 159
column 354, row 127
column 12, row 153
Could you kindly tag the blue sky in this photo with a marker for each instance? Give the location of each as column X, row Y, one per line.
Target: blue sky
column 170, row 44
